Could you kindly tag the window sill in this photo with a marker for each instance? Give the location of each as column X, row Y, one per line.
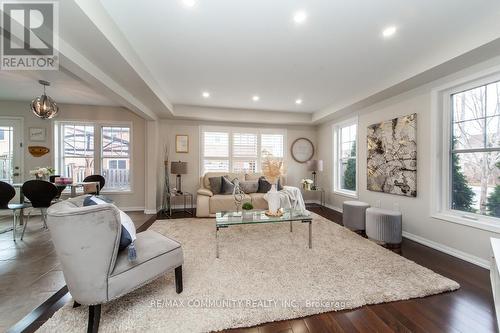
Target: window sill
column 478, row 222
column 348, row 194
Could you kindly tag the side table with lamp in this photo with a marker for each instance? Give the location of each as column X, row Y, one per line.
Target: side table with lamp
column 316, row 166
column 179, row 168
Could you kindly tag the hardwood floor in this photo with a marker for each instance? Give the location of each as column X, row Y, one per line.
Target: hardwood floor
column 469, row 309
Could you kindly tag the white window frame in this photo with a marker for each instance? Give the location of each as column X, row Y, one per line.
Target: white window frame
column 441, row 113
column 336, row 158
column 230, row 131
column 98, row 125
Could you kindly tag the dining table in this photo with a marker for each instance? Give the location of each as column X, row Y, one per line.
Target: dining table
column 73, row 192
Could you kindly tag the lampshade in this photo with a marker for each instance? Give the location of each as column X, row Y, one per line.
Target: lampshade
column 44, row 107
column 315, row 165
column 178, row 168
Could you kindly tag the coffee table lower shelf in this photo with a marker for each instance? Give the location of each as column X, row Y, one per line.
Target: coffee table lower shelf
column 224, row 220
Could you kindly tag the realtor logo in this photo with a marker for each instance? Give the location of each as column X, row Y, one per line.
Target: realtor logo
column 30, row 36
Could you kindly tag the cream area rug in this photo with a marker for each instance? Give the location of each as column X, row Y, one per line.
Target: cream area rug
column 265, row 273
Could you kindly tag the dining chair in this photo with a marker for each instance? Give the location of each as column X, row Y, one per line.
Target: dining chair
column 7, row 192
column 96, row 178
column 60, row 187
column 41, row 194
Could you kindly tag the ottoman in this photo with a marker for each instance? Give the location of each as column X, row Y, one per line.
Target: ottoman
column 383, row 225
column 353, row 215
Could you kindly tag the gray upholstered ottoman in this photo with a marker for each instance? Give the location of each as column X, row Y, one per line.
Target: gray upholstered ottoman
column 384, row 225
column 353, row 214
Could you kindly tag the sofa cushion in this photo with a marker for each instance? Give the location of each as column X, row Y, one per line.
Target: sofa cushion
column 156, row 254
column 224, row 203
column 258, row 201
column 265, row 186
column 249, row 186
column 230, row 175
column 227, row 186
column 215, row 184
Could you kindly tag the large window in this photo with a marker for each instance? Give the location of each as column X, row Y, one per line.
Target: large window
column 475, row 150
column 345, row 138
column 83, row 149
column 239, row 149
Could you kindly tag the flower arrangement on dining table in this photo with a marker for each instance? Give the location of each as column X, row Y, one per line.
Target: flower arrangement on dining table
column 42, row 172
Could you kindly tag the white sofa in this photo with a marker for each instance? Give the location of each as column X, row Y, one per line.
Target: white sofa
column 208, row 203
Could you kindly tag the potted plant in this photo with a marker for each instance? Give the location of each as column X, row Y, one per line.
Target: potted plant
column 42, row 173
column 247, row 210
column 306, row 184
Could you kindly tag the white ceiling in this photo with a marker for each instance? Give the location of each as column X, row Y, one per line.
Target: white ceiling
column 64, row 88
column 235, row 49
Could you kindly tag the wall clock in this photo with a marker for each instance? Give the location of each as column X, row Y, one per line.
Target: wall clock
column 302, row 150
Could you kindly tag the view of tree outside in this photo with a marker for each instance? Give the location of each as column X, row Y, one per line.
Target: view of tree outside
column 476, row 150
column 347, row 157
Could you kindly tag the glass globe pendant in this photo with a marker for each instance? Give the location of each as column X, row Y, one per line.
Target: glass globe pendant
column 44, row 107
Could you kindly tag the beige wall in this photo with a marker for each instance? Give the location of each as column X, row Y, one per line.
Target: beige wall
column 135, row 199
column 417, row 219
column 190, row 182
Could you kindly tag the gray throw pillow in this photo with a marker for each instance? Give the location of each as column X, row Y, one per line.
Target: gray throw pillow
column 227, row 186
column 215, row 184
column 249, row 186
column 265, row 186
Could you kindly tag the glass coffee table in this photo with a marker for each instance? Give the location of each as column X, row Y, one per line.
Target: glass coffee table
column 227, row 219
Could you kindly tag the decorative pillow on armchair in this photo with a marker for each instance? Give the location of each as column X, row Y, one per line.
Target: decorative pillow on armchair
column 249, row 186
column 128, row 233
column 215, row 184
column 227, row 186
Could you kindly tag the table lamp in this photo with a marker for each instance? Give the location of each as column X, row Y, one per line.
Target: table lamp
column 178, row 168
column 314, row 166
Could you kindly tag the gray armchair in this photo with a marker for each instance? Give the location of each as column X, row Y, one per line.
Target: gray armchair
column 86, row 240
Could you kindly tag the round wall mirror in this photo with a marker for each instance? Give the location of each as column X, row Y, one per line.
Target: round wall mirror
column 302, row 150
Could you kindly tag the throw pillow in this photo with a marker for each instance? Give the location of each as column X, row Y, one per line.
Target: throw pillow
column 128, row 232
column 215, row 184
column 249, row 186
column 227, row 186
column 265, row 186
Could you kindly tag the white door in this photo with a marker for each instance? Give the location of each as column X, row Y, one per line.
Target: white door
column 11, row 132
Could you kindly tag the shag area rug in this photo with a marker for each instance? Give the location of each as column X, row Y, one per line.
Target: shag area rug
column 265, row 273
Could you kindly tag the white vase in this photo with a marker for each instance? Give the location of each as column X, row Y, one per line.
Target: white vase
column 273, row 200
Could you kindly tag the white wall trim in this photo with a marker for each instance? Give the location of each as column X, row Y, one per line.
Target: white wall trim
column 448, row 250
column 131, row 209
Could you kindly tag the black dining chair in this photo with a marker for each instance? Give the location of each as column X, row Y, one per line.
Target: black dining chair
column 7, row 192
column 60, row 187
column 41, row 194
column 96, row 178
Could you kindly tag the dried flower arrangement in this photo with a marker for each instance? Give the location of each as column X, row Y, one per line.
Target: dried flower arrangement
column 272, row 169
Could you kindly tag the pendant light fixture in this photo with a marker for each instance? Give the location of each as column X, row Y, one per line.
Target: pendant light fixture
column 44, row 107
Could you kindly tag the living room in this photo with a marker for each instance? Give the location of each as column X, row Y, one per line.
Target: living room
column 251, row 166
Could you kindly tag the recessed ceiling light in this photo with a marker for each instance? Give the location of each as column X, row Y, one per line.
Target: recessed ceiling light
column 389, row 31
column 298, row 101
column 206, row 94
column 189, row 3
column 255, row 98
column 300, row 16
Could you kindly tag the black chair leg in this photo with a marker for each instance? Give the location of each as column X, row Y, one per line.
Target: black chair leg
column 178, row 279
column 94, row 318
column 76, row 304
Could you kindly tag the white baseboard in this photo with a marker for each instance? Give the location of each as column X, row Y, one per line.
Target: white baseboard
column 131, row 209
column 448, row 250
column 437, row 246
column 338, row 209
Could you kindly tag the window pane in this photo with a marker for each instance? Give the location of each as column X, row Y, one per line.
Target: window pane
column 244, row 145
column 78, row 140
column 469, row 134
column 77, row 168
column 117, row 173
column 346, row 166
column 272, row 144
column 347, row 174
column 215, row 165
column 115, row 141
column 475, row 184
column 216, row 144
column 469, row 104
column 244, row 166
column 493, row 132
column 6, row 153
